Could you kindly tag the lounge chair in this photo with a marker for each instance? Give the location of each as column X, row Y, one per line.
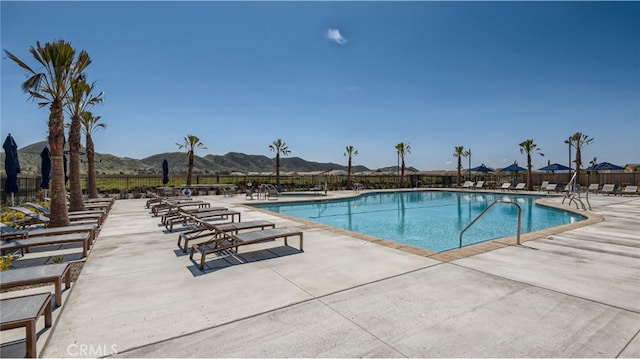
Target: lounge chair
column 467, row 184
column 543, row 186
column 234, row 241
column 520, row 186
column 48, row 273
column 7, row 232
column 594, row 187
column 214, row 231
column 609, row 189
column 551, row 187
column 505, row 186
column 630, row 190
column 88, row 214
column 20, row 244
column 177, row 215
column 203, row 216
column 34, row 219
column 479, row 185
column 24, row 312
column 155, row 199
column 169, row 205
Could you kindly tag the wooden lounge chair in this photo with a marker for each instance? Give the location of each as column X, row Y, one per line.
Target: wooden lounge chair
column 505, row 186
column 48, row 273
column 7, row 232
column 629, row 190
column 19, row 244
column 178, row 213
column 34, row 219
column 24, row 312
column 520, row 186
column 203, row 216
column 479, row 185
column 91, row 214
column 215, row 231
column 234, row 241
column 169, row 205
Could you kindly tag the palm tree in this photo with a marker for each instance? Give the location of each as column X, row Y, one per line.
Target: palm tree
column 191, row 143
column 402, row 149
column 279, row 148
column 60, row 70
column 593, row 162
column 459, row 153
column 467, row 154
column 80, row 100
column 578, row 141
column 90, row 124
column 350, row 152
column 529, row 147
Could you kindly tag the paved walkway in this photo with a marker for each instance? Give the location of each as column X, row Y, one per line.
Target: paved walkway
column 570, row 294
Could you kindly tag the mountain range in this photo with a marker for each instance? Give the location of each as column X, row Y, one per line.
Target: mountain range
column 210, row 164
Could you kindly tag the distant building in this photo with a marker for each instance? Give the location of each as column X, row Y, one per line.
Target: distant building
column 632, row 167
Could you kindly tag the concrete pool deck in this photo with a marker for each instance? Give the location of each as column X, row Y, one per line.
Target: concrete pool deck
column 568, row 294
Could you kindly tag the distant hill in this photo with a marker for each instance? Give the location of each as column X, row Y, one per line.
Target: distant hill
column 209, row 164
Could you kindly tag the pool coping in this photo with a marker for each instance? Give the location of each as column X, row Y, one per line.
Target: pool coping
column 451, row 254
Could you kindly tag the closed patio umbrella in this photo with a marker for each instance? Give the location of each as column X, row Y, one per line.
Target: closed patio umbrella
column 11, row 168
column 45, row 169
column 165, row 172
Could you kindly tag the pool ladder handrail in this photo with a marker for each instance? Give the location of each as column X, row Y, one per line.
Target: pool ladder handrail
column 486, row 210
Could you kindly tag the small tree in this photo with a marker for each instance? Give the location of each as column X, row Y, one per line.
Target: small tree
column 402, row 150
column 280, row 148
column 191, row 143
column 529, row 147
column 350, row 152
column 459, row 153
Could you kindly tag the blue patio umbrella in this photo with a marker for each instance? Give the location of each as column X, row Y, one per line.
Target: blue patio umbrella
column 554, row 167
column 11, row 166
column 604, row 166
column 513, row 168
column 45, row 168
column 165, row 172
column 482, row 168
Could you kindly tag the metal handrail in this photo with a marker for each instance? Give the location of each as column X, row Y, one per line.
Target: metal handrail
column 486, row 210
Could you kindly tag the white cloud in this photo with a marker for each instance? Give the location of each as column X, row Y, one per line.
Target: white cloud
column 334, row 35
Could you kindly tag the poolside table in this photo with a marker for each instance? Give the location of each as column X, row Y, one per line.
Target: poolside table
column 24, row 312
column 48, row 273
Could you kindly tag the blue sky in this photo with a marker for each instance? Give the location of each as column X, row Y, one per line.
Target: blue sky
column 325, row 75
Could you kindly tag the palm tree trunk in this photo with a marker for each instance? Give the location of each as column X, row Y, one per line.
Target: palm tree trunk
column 278, row 168
column 578, row 164
column 349, row 174
column 92, row 188
column 76, row 201
column 529, row 181
column 459, row 169
column 402, row 174
column 190, row 170
column 59, row 213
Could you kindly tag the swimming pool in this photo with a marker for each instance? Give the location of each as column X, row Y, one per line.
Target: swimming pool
column 431, row 220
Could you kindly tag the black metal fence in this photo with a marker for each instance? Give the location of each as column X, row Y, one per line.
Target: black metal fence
column 131, row 186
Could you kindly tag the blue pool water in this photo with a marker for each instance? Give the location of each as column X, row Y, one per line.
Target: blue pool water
column 428, row 219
